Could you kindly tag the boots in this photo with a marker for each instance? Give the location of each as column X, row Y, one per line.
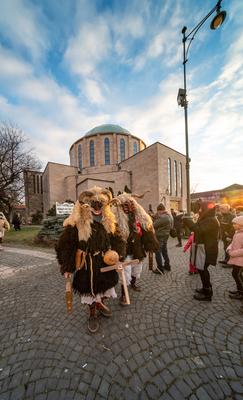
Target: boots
column 93, row 323
column 202, row 290
column 103, row 309
column 123, row 301
column 204, row 294
column 134, row 286
column 192, row 269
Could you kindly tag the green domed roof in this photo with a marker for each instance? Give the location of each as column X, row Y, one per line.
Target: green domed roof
column 107, row 128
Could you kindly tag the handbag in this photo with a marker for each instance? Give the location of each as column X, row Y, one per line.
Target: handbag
column 173, row 233
column 198, row 255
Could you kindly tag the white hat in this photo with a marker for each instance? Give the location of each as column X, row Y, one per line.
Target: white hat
column 238, row 220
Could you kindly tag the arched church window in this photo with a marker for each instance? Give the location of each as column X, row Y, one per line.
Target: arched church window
column 169, row 176
column 122, row 149
column 181, row 180
column 38, row 183
column 175, row 178
column 107, row 151
column 80, row 157
column 91, row 153
column 135, row 147
column 34, row 187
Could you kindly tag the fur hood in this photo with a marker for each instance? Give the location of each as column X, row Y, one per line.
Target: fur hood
column 122, row 218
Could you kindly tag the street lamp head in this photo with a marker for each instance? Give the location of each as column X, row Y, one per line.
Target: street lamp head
column 218, row 19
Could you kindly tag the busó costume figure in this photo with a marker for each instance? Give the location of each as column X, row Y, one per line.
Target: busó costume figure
column 90, row 231
column 136, row 228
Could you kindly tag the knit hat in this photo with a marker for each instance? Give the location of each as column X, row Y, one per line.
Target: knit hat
column 161, row 207
column 238, row 220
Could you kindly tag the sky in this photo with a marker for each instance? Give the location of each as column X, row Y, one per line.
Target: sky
column 68, row 66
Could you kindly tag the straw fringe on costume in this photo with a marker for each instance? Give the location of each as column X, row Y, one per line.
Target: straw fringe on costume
column 140, row 214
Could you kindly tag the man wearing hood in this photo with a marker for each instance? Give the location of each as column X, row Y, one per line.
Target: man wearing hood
column 206, row 231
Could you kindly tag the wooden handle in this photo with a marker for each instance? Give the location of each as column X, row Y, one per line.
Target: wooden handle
column 116, row 266
column 78, row 259
column 124, row 283
column 69, row 295
column 150, row 261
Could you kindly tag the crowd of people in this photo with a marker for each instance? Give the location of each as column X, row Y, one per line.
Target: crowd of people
column 207, row 227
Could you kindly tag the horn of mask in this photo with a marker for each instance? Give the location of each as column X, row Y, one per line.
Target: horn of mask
column 140, row 196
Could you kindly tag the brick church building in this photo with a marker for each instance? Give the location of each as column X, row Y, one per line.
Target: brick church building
column 112, row 157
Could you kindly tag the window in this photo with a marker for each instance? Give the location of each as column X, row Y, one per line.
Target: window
column 169, row 176
column 91, row 153
column 34, row 189
column 107, row 151
column 122, row 149
column 175, row 178
column 41, row 180
column 181, row 180
column 80, row 157
column 135, row 147
column 38, row 183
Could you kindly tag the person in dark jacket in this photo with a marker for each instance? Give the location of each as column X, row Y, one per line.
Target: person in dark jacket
column 178, row 225
column 16, row 221
column 226, row 229
column 162, row 225
column 206, row 231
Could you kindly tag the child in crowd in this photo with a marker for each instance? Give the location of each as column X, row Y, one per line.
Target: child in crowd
column 4, row 225
column 188, row 245
column 235, row 251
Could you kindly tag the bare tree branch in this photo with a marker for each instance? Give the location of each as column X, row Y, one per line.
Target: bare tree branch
column 15, row 158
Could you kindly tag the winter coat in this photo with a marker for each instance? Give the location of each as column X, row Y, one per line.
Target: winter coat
column 206, row 231
column 4, row 225
column 162, row 226
column 235, row 249
column 178, row 224
column 226, row 226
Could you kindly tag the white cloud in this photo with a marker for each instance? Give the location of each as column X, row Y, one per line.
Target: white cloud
column 164, row 43
column 11, row 66
column 22, row 24
column 93, row 92
column 88, row 48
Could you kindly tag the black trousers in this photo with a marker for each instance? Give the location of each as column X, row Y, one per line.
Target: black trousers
column 162, row 252
column 205, row 277
column 237, row 273
column 179, row 235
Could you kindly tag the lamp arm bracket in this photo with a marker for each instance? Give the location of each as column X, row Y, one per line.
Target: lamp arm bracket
column 198, row 26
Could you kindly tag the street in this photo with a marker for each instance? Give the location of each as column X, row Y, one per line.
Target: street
column 163, row 346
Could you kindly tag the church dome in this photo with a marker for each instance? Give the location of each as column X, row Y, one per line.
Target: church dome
column 107, row 128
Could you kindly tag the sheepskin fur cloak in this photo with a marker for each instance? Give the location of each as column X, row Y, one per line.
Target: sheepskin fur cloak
column 89, row 280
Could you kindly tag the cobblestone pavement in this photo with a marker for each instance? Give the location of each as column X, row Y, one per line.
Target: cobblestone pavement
column 164, row 346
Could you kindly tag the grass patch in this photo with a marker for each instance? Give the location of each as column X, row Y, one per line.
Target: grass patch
column 25, row 237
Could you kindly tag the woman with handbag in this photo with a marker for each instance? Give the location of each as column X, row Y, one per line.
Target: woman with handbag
column 206, row 231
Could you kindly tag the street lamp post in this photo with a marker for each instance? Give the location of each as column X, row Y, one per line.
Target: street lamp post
column 182, row 93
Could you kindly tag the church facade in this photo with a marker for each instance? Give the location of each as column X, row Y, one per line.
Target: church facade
column 110, row 156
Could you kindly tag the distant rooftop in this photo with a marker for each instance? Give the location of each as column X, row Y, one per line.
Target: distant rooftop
column 107, row 128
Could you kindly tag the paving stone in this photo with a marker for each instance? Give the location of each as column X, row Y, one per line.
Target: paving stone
column 152, row 391
column 237, row 387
